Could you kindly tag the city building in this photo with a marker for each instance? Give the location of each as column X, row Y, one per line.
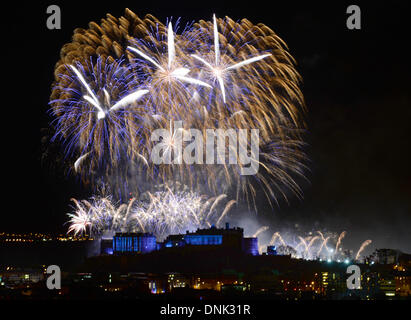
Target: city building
column 386, row 256
column 11, row 276
column 106, row 246
column 272, row 250
column 134, row 243
column 226, row 238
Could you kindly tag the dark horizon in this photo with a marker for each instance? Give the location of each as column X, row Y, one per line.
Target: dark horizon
column 356, row 87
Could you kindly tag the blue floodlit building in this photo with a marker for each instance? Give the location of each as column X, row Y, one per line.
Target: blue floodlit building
column 106, row 246
column 203, row 239
column 250, row 246
column 226, row 238
column 134, row 243
column 231, row 239
column 174, row 240
column 272, row 250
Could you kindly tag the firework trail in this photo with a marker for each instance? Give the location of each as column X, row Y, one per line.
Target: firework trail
column 99, row 122
column 313, row 239
column 219, row 70
column 80, row 221
column 323, row 244
column 302, row 242
column 215, row 203
column 342, row 235
column 226, row 210
column 363, row 245
column 274, row 238
column 311, row 247
column 119, row 80
column 260, row 230
column 321, row 235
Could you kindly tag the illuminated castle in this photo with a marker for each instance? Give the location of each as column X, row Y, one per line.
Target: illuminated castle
column 134, row 243
column 224, row 238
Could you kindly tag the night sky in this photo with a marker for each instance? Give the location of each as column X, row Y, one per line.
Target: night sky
column 356, row 86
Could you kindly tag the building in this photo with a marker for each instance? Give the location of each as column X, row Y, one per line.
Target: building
column 175, row 240
column 227, row 238
column 387, row 285
column 272, row 250
column 15, row 276
column 203, row 239
column 106, row 246
column 134, row 243
column 386, row 256
column 250, row 246
column 403, row 285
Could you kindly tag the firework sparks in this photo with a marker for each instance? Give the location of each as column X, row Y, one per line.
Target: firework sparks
column 323, row 245
column 363, row 245
column 312, row 247
column 171, row 72
column 127, row 100
column 274, row 238
column 311, row 243
column 112, row 92
column 218, row 70
column 260, row 230
column 103, row 141
column 161, row 213
column 302, row 242
column 340, row 238
column 81, row 220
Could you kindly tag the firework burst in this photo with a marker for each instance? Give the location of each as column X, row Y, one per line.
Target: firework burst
column 119, row 81
column 98, row 117
column 161, row 213
column 324, row 246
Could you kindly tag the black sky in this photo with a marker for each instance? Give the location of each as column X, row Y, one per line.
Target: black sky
column 356, row 86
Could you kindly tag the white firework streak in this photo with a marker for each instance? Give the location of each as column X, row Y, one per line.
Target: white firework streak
column 363, row 245
column 216, row 41
column 170, row 45
column 260, row 230
column 84, row 82
column 130, row 98
column 142, row 54
column 107, row 97
column 92, row 99
column 227, row 208
column 219, row 70
column 178, row 73
column 217, row 200
column 79, row 161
